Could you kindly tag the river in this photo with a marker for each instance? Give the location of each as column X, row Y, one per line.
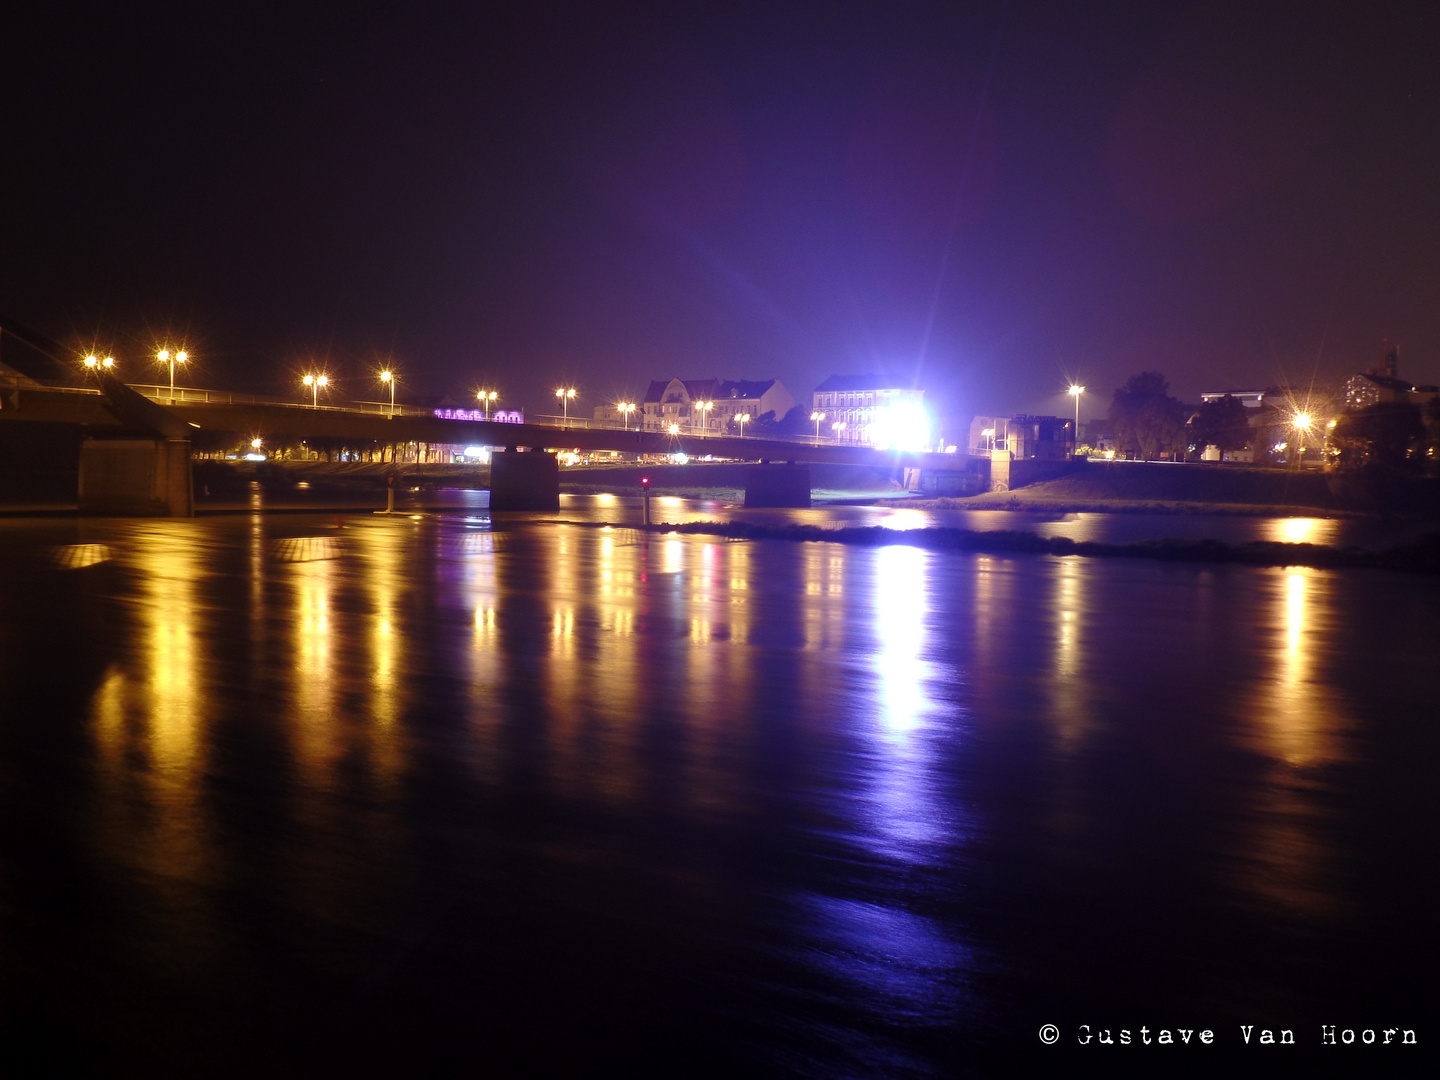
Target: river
column 435, row 795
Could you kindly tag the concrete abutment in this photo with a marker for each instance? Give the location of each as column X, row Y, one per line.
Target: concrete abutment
column 136, row 478
column 524, row 481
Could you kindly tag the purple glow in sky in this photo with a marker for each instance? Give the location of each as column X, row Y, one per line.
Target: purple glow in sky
column 994, row 197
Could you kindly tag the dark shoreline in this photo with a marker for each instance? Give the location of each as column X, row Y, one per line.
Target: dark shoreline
column 1423, row 557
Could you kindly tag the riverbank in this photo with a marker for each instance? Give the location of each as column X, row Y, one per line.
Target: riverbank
column 1421, row 557
column 1163, row 488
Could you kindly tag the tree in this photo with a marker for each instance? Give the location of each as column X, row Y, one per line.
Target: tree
column 1432, row 430
column 1147, row 421
column 1224, row 424
column 1387, row 435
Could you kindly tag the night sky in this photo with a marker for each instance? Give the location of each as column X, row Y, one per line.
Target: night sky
column 993, row 198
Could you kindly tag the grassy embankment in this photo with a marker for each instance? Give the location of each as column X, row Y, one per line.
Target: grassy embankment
column 1422, row 557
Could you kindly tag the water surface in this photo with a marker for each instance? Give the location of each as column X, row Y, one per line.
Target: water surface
column 436, row 795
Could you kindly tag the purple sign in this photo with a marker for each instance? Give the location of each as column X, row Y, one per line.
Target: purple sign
column 499, row 416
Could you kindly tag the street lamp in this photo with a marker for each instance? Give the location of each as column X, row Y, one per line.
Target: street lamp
column 817, row 417
column 388, row 378
column 94, row 362
column 1302, row 424
column 486, row 399
column 838, row 428
column 988, row 434
column 165, row 356
column 566, row 395
column 1075, row 391
column 315, row 382
column 702, row 407
column 674, row 429
column 626, row 408
column 742, row 419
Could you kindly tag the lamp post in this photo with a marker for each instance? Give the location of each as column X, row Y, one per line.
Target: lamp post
column 702, row 407
column 626, row 408
column 1302, row 428
column 94, row 363
column 165, row 356
column 486, row 399
column 838, row 428
column 388, row 378
column 1075, row 391
column 742, row 419
column 315, row 382
column 566, row 395
column 988, row 434
column 817, row 417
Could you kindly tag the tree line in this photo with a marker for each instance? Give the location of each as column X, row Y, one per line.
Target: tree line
column 1146, row 422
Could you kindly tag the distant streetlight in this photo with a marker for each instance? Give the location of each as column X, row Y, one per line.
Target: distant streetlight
column 165, row 356
column 742, row 419
column 566, row 395
column 988, row 434
column 94, row 362
column 838, row 428
column 674, row 429
column 388, row 378
column 702, row 407
column 486, row 399
column 1302, row 424
column 315, row 382
column 626, row 408
column 1075, row 391
column 817, row 417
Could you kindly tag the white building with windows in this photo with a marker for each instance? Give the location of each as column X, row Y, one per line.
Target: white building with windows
column 875, row 410
column 709, row 405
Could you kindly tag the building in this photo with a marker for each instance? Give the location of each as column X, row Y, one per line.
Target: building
column 1042, row 438
column 872, row 410
column 988, row 433
column 712, row 405
column 1383, row 383
column 1251, row 399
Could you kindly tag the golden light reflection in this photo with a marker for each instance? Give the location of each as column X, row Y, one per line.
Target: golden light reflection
column 674, row 556
column 318, row 742
column 615, row 671
column 385, row 548
column 824, row 608
column 1299, row 722
column 154, row 709
column 738, row 570
column 1297, row 530
column 1069, row 705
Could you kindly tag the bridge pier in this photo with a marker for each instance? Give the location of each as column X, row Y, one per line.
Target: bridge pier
column 524, row 481
column 778, row 485
column 137, row 477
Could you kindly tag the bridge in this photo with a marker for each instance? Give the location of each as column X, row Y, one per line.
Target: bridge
column 136, row 442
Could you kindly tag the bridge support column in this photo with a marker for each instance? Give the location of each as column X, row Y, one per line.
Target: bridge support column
column 528, row 481
column 137, row 477
column 999, row 470
column 778, row 486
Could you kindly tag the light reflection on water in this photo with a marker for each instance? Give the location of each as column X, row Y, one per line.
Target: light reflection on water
column 1122, row 528
column 862, row 768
